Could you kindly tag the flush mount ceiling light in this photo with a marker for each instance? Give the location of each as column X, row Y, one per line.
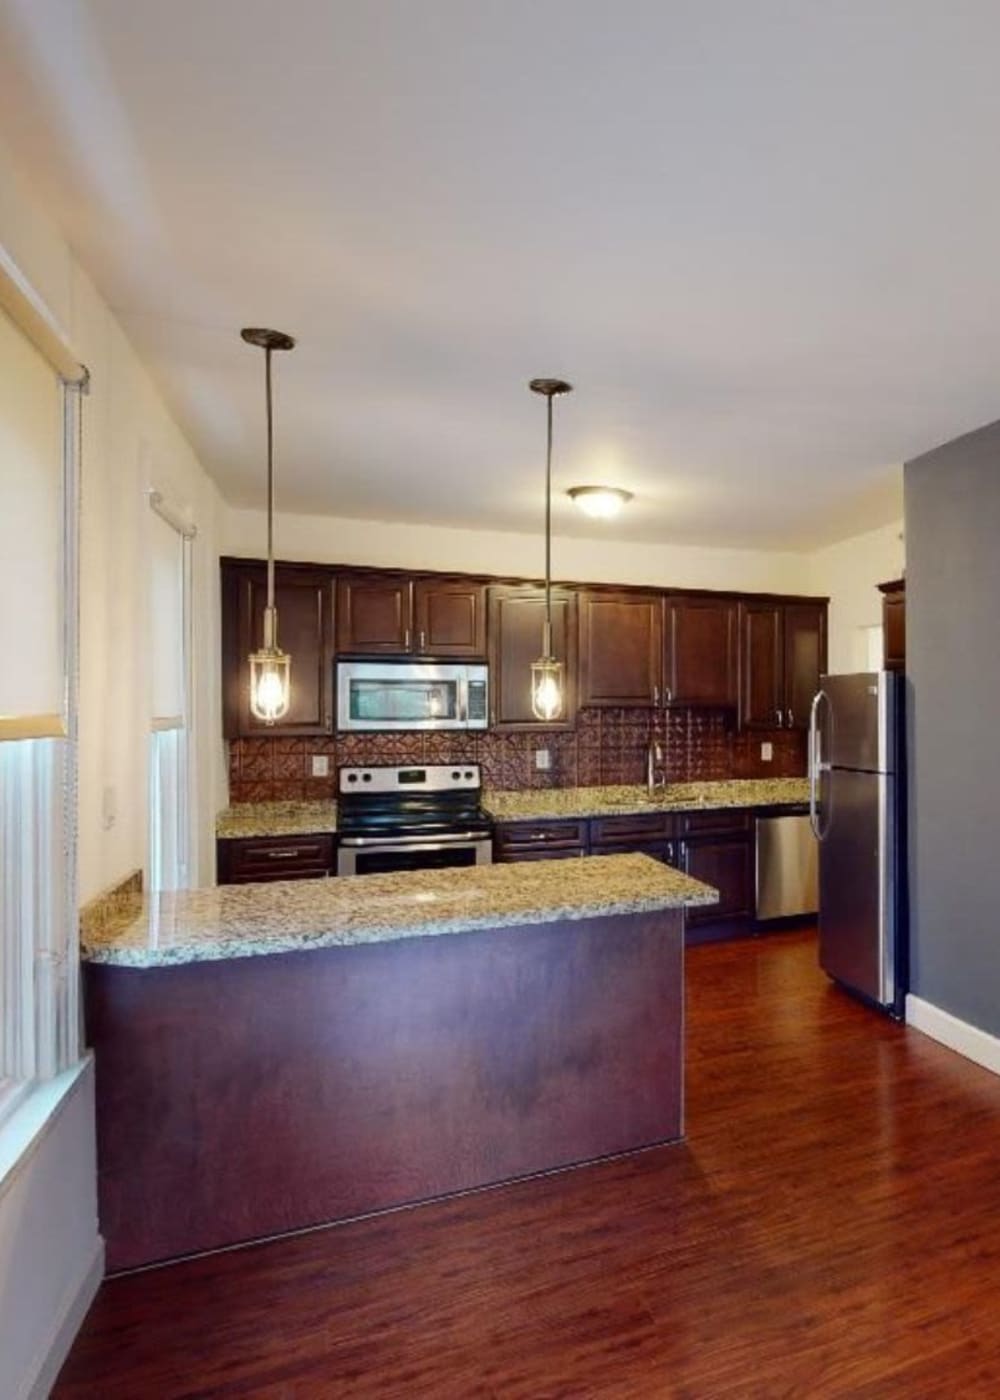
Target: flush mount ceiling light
column 270, row 667
column 599, row 502
column 547, row 672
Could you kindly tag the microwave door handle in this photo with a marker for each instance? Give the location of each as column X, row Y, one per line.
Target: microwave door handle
column 463, row 699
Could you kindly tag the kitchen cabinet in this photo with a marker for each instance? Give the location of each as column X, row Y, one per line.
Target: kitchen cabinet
column 539, row 840
column 620, row 649
column 304, row 599
column 516, row 618
column 396, row 614
column 894, row 625
column 257, row 859
column 717, row 847
column 702, row 654
column 782, row 656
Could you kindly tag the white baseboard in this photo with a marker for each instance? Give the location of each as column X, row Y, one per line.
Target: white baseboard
column 968, row 1040
column 65, row 1326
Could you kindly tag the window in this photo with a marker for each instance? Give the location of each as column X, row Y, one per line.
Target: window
column 170, row 705
column 40, row 411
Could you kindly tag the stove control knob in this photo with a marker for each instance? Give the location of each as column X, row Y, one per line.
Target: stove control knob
column 352, row 777
column 366, row 777
column 455, row 776
column 468, row 774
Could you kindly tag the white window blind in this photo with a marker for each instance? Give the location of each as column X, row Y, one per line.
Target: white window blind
column 167, row 624
column 170, row 738
column 32, row 665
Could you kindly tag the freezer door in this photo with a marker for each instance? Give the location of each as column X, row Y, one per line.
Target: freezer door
column 856, row 720
column 856, row 882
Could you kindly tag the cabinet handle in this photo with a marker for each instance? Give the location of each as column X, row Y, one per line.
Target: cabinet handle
column 406, row 639
column 656, row 696
column 289, row 853
column 791, row 720
column 669, row 695
column 780, row 720
column 423, row 640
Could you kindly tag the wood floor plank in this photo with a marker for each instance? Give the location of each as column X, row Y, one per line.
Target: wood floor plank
column 826, row 1230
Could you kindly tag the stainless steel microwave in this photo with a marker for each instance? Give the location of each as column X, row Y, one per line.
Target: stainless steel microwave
column 411, row 695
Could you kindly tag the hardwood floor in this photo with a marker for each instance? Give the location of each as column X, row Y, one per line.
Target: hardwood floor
column 827, row 1229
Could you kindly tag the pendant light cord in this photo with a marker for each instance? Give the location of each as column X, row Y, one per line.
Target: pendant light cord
column 270, row 483
column 548, row 533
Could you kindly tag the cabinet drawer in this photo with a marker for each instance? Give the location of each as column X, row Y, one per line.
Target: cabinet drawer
column 262, row 858
column 725, row 819
column 506, row 855
column 540, row 835
column 627, row 830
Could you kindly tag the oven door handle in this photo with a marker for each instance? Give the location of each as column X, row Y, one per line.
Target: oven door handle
column 439, row 844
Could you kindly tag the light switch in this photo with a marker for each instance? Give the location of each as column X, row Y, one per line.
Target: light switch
column 109, row 806
column 543, row 760
column 320, row 765
column 766, row 751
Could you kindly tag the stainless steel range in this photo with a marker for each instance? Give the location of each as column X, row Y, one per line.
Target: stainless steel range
column 417, row 817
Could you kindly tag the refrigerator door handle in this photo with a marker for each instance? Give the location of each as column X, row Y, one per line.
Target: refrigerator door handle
column 816, row 764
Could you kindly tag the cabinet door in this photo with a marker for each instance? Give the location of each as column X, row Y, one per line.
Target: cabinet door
column 621, row 649
column 762, row 693
column 449, row 618
column 701, row 649
column 304, row 599
column 725, row 863
column 516, row 617
column 374, row 614
column 805, row 659
column 894, row 628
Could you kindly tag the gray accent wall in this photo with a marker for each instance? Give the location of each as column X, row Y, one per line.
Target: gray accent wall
column 953, row 724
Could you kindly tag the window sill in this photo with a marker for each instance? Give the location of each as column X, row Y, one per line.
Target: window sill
column 28, row 1122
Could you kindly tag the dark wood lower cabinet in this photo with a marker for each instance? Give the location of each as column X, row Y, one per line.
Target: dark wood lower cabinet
column 253, row 1096
column 257, row 859
column 725, row 862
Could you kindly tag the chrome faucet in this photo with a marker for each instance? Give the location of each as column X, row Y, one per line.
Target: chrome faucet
column 654, row 756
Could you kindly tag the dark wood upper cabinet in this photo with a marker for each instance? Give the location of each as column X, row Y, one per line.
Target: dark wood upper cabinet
column 374, row 613
column 782, row 656
column 621, row 648
column 516, row 618
column 762, row 694
column 894, row 625
column 304, row 599
column 805, row 659
column 449, row 618
column 701, row 651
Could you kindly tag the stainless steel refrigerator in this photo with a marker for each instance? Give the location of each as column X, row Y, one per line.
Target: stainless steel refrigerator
column 856, row 808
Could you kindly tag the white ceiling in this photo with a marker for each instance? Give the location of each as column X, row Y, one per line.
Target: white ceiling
column 761, row 237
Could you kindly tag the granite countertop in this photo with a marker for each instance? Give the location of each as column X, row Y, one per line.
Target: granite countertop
column 238, row 921
column 536, row 804
column 245, row 819
column 276, row 819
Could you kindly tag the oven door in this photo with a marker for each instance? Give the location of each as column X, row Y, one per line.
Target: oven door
column 380, row 695
column 366, row 855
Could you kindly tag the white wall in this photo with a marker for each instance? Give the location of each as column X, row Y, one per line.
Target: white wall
column 130, row 443
column 849, row 573
column 49, row 1246
column 328, row 539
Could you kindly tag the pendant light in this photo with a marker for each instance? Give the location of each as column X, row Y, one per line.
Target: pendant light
column 270, row 667
column 547, row 686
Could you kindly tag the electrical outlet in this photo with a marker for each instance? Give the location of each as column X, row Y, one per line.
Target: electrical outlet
column 766, row 751
column 543, row 760
column 320, row 765
column 109, row 806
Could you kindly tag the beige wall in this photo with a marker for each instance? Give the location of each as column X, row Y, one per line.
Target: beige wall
column 849, row 572
column 130, row 443
column 327, row 539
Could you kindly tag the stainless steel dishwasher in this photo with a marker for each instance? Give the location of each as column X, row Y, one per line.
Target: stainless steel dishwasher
column 787, row 867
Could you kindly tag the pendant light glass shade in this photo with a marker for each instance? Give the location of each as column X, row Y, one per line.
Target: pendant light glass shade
column 270, row 667
column 547, row 682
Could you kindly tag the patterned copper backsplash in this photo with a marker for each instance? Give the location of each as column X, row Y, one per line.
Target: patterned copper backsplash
column 607, row 746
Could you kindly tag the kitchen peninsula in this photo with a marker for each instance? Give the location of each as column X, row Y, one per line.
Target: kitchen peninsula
column 273, row 1057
